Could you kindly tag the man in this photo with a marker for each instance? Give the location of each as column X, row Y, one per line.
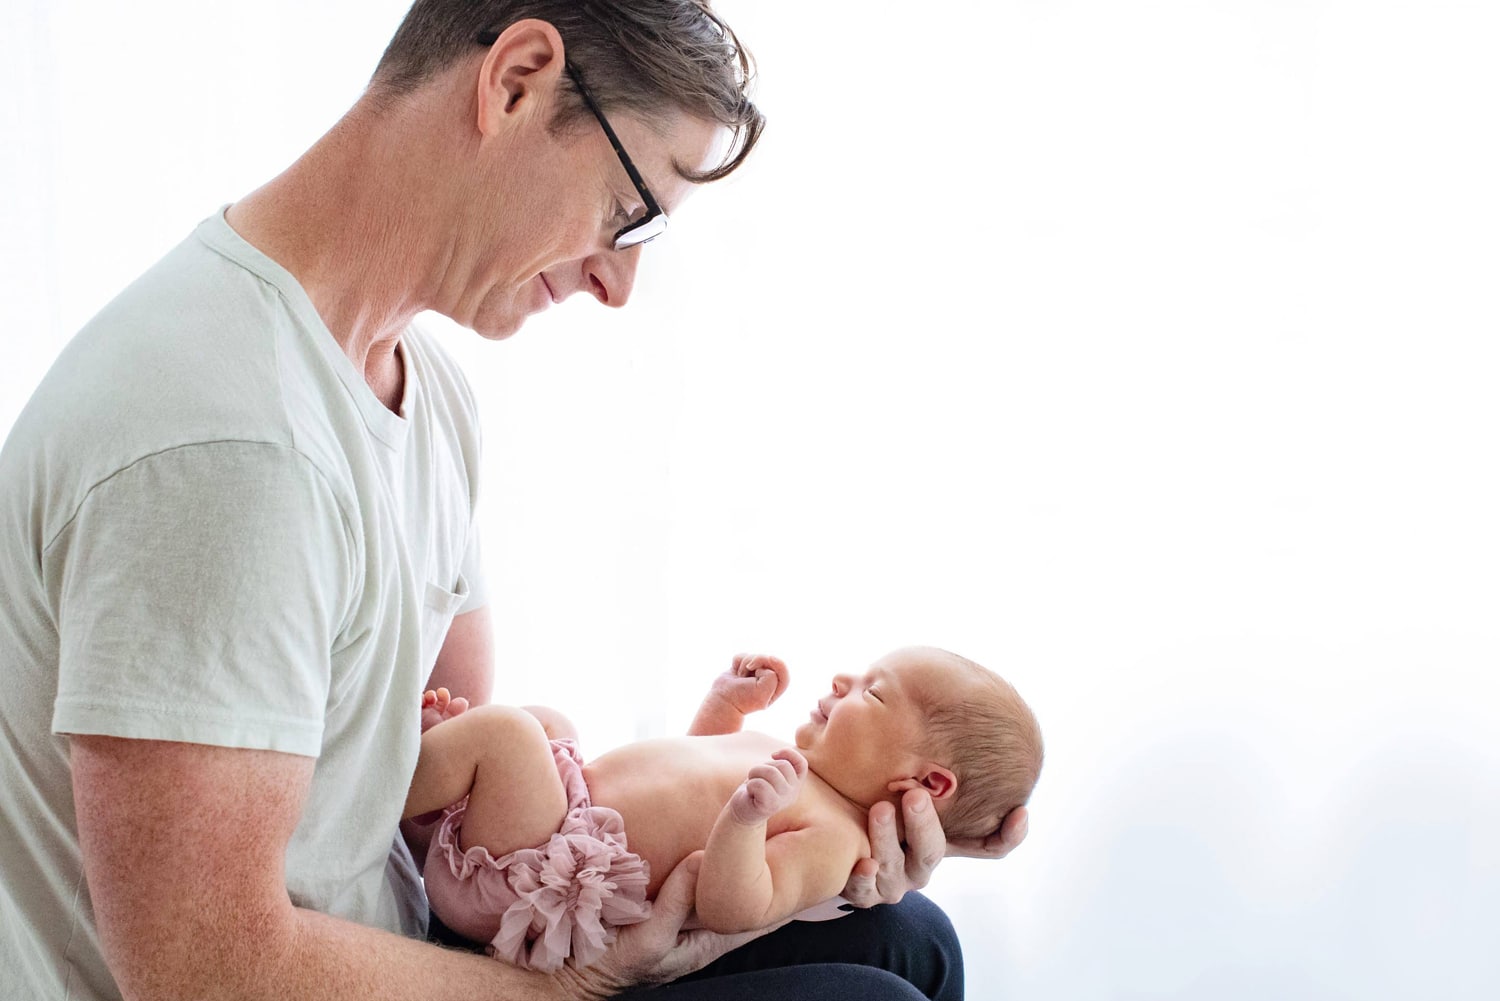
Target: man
column 237, row 541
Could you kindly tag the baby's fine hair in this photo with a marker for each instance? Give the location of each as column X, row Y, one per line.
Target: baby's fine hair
column 991, row 741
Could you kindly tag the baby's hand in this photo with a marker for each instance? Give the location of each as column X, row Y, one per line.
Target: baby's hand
column 751, row 684
column 771, row 788
column 440, row 705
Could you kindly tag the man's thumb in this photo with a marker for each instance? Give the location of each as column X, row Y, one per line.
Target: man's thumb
column 679, row 892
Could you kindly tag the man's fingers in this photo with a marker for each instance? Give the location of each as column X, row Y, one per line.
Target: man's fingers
column 697, row 948
column 997, row 844
column 680, row 888
column 653, row 939
column 1012, row 831
column 885, row 848
column 685, row 952
column 861, row 890
column 925, row 842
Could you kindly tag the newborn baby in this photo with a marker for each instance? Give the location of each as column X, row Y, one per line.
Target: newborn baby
column 532, row 855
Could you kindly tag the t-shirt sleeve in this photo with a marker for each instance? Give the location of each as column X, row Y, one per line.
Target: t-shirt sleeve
column 472, row 569
column 202, row 590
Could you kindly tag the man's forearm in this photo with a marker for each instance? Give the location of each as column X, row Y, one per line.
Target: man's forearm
column 315, row 956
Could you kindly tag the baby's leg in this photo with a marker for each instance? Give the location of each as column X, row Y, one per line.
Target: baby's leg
column 558, row 726
column 498, row 756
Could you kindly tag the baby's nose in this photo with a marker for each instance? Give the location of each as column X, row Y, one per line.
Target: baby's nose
column 842, row 684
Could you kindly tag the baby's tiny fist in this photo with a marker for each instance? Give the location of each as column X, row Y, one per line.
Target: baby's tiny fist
column 771, row 788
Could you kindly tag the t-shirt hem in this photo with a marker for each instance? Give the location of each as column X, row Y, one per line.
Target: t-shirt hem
column 189, row 725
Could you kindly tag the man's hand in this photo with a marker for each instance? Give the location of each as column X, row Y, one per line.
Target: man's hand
column 658, row 949
column 885, row 878
column 751, row 684
column 997, row 845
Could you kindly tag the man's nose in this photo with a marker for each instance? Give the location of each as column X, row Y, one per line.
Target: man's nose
column 611, row 275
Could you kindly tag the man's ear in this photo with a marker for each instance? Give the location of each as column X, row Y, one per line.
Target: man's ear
column 939, row 782
column 520, row 74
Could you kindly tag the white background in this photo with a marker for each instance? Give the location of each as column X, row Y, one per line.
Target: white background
column 1144, row 352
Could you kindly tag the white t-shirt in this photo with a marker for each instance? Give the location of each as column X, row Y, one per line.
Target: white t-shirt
column 212, row 531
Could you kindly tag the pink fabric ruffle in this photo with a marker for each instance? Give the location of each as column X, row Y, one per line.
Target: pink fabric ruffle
column 539, row 906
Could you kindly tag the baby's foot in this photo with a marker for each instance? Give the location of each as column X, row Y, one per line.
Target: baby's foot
column 771, row 788
column 440, row 705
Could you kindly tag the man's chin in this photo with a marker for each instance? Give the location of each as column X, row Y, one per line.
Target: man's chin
column 497, row 328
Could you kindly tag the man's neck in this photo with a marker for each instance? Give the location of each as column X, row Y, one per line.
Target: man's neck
column 355, row 230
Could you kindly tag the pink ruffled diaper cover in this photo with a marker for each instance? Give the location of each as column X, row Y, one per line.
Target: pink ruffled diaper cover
column 537, row 906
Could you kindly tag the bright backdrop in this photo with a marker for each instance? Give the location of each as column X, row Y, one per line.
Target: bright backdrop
column 1146, row 353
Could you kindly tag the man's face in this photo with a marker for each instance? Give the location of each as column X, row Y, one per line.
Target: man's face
column 554, row 235
column 866, row 732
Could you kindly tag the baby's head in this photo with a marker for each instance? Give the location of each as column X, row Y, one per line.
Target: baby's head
column 924, row 717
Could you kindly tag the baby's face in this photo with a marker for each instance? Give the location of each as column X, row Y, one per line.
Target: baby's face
column 867, row 732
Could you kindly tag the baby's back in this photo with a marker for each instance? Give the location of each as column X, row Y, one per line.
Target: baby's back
column 670, row 791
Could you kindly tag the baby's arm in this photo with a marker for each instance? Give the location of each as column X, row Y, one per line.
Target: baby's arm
column 748, row 881
column 751, row 684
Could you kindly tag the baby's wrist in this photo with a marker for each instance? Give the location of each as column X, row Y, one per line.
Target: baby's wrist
column 746, row 815
column 718, row 714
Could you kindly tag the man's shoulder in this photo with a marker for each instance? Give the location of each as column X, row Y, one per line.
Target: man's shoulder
column 192, row 340
column 198, row 350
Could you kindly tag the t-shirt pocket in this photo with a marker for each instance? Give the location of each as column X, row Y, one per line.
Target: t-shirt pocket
column 438, row 609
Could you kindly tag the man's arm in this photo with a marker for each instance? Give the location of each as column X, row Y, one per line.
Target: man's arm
column 183, row 847
column 466, row 663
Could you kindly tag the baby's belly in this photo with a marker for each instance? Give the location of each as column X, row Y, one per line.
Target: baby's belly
column 669, row 792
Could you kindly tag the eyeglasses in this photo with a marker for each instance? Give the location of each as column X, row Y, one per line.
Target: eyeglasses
column 649, row 226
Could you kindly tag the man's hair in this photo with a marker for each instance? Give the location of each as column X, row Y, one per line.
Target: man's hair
column 646, row 56
column 992, row 743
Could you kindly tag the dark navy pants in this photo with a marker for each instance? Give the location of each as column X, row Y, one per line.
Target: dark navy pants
column 903, row 952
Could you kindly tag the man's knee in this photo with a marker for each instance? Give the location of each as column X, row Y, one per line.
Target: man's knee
column 913, row 940
column 921, row 946
column 814, row 982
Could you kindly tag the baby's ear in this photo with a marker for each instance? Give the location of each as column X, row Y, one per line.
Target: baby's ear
column 939, row 782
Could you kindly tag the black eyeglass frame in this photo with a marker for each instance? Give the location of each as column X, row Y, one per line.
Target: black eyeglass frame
column 649, row 226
